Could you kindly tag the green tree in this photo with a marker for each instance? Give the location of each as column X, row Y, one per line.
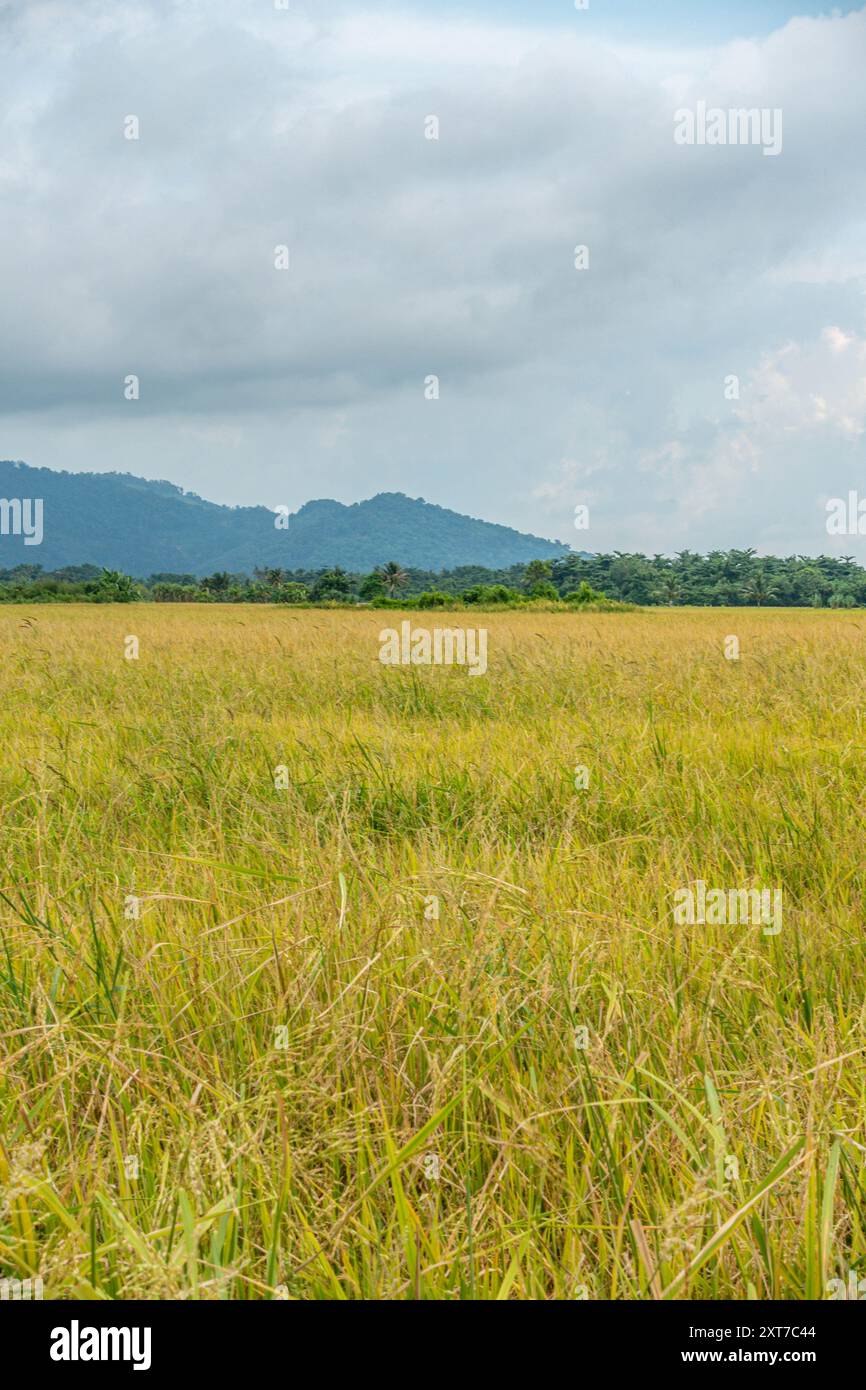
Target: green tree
column 669, row 589
column 584, row 593
column 272, row 577
column 292, row 593
column 393, row 576
column 546, row 589
column 758, row 591
column 114, row 587
column 218, row 583
column 537, row 573
column 371, row 586
column 330, row 585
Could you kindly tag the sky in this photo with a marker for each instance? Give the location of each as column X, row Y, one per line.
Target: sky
column 646, row 19
column 699, row 382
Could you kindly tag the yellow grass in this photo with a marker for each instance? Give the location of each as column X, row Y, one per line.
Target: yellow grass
column 709, row 1140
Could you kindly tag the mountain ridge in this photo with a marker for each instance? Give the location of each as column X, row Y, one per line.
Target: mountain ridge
column 146, row 526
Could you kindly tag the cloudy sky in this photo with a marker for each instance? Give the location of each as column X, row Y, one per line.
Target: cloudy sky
column 410, row 257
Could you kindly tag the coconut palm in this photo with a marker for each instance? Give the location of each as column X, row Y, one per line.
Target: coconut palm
column 116, row 587
column 758, row 591
column 670, row 588
column 393, row 576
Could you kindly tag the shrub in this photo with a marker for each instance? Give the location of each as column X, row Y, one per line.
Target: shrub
column 584, row 593
column 545, row 590
column 492, row 593
column 175, row 593
column 434, row 598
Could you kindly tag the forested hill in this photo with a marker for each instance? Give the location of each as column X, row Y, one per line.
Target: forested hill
column 122, row 522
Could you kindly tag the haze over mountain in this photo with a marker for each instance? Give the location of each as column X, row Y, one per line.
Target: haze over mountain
column 144, row 527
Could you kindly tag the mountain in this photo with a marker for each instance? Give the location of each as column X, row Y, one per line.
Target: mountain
column 142, row 528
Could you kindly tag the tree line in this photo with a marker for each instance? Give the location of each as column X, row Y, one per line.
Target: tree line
column 722, row 578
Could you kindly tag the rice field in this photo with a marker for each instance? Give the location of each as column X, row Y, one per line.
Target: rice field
column 321, row 979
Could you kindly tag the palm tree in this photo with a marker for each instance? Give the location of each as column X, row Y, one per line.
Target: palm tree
column 393, row 576
column 758, row 591
column 217, row 583
column 670, row 588
column 117, row 587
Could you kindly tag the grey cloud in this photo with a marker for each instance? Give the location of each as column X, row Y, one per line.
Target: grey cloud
column 412, row 257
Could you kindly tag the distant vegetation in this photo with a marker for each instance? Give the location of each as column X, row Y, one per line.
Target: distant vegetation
column 732, row 578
